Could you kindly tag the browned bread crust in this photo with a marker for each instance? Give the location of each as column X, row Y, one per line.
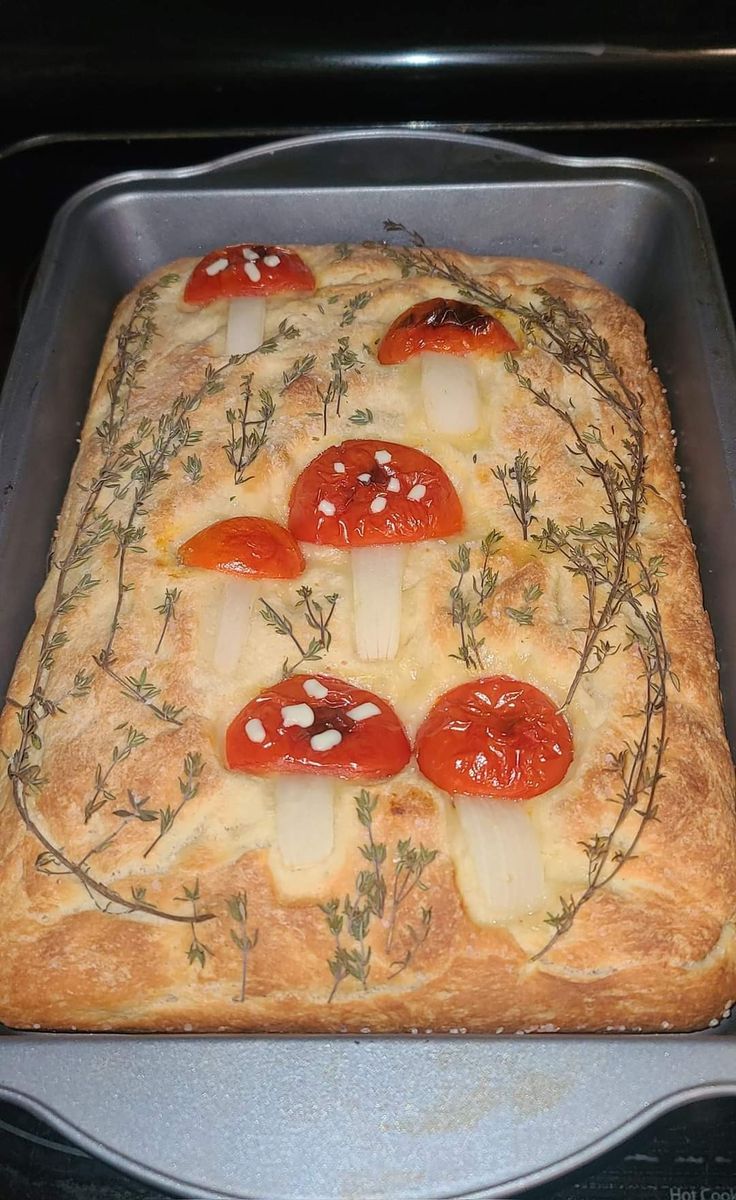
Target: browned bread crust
column 87, row 939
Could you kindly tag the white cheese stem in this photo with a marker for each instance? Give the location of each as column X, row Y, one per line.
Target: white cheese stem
column 246, row 320
column 503, row 847
column 304, row 819
column 378, row 575
column 232, row 630
column 450, row 393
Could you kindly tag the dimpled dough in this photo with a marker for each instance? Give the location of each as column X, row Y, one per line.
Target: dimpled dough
column 89, row 949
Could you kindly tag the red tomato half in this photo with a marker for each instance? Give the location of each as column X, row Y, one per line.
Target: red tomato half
column 248, row 546
column 367, row 492
column 247, row 270
column 444, row 327
column 495, row 737
column 372, row 745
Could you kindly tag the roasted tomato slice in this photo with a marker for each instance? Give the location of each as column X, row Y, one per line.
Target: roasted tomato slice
column 444, row 327
column 367, row 492
column 316, row 723
column 247, row 270
column 248, row 546
column 495, row 737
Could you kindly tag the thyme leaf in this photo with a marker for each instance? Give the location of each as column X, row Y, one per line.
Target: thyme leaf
column 316, row 614
column 517, row 479
column 168, row 611
column 237, row 907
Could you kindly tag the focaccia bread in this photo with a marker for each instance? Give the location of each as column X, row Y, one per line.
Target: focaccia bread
column 147, row 885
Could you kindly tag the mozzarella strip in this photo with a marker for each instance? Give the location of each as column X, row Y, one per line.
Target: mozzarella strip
column 501, row 844
column 235, row 611
column 304, row 819
column 378, row 574
column 246, row 320
column 450, row 392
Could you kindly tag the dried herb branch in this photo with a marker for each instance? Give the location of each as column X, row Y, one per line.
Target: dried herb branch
column 343, row 250
column 467, row 605
column 619, row 582
column 91, row 530
column 342, row 362
column 248, row 435
column 237, row 907
column 353, row 306
column 517, row 479
column 350, row 922
column 410, row 864
column 102, row 793
column 300, row 368
column 142, row 690
column 361, row 416
column 285, row 333
column 525, row 614
column 197, row 951
column 189, row 783
column 192, row 468
column 167, row 608
column 317, row 619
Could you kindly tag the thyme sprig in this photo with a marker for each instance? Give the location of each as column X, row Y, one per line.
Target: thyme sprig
column 197, row 951
column 189, row 783
column 167, row 608
column 349, row 922
column 192, row 468
column 248, row 435
column 353, row 306
column 517, row 479
column 606, row 556
column 102, row 794
column 525, row 614
column 342, row 362
column 92, row 528
column 299, row 369
column 467, row 606
column 317, row 618
column 237, row 906
column 361, row 416
column 410, row 863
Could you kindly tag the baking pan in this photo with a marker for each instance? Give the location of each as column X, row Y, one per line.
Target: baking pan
column 321, row 1118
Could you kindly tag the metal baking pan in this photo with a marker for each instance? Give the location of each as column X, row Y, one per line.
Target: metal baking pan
column 322, row 1118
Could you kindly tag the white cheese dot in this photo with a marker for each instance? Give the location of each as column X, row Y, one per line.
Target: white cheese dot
column 338, row 468
column 252, row 272
column 254, row 730
column 382, row 457
column 215, row 267
column 315, row 689
column 297, row 714
column 250, row 255
column 364, row 478
column 327, row 740
column 418, row 492
column 378, row 504
column 326, row 507
column 394, row 484
column 364, row 711
column 271, row 260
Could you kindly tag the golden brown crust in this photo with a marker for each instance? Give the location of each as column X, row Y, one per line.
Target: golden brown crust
column 652, row 949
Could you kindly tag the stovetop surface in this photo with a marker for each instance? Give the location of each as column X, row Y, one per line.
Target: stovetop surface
column 687, row 1155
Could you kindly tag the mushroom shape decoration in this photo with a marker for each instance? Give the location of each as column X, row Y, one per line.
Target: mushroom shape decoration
column 305, row 732
column 445, row 334
column 246, row 275
column 245, row 550
column 372, row 498
column 491, row 744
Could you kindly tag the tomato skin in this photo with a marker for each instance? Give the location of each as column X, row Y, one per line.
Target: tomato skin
column 249, row 546
column 496, row 737
column 445, row 327
column 371, row 749
column 437, row 514
column 290, row 275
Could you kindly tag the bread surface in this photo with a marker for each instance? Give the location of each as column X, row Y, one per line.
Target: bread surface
column 84, row 943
